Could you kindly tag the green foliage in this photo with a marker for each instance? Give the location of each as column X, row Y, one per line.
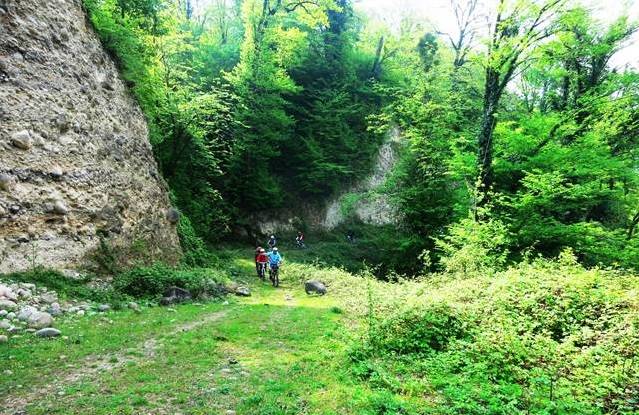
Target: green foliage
column 421, row 330
column 386, row 250
column 542, row 337
column 66, row 287
column 261, row 105
column 151, row 282
column 474, row 247
column 195, row 252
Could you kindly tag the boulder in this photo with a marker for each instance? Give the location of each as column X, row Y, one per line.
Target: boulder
column 24, row 293
column 49, row 297
column 55, row 310
column 21, row 140
column 8, row 305
column 4, row 339
column 48, row 332
column 40, row 320
column 104, row 307
column 5, row 291
column 4, row 325
column 26, row 312
column 315, row 287
column 243, row 291
column 175, row 295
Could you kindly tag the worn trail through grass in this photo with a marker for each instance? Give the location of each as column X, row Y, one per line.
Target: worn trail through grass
column 277, row 352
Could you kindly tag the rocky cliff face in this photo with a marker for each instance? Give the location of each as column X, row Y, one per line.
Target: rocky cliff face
column 363, row 200
column 75, row 161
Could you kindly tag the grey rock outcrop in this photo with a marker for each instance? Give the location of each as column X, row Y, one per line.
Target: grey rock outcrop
column 40, row 320
column 175, row 295
column 75, row 159
column 48, row 332
column 315, row 287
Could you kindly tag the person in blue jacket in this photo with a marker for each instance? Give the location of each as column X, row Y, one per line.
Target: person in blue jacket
column 274, row 260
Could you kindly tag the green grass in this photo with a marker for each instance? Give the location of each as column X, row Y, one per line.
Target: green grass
column 546, row 337
column 277, row 352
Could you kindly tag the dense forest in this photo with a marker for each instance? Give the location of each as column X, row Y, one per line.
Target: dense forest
column 505, row 281
column 518, row 141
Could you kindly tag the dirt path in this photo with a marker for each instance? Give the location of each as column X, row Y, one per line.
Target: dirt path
column 98, row 364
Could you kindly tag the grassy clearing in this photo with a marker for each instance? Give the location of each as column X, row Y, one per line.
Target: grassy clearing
column 546, row 337
column 277, row 352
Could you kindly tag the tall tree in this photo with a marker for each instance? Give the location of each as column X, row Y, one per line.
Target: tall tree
column 518, row 26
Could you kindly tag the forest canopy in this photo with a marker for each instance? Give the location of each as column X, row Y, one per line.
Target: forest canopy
column 518, row 139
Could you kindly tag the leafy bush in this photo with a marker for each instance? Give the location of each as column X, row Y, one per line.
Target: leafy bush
column 152, row 282
column 195, row 253
column 541, row 337
column 79, row 288
column 472, row 246
column 419, row 330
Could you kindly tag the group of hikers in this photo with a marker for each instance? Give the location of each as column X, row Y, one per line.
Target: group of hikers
column 272, row 259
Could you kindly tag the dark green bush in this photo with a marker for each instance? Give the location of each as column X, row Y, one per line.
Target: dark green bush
column 152, row 282
column 77, row 288
column 419, row 330
column 195, row 253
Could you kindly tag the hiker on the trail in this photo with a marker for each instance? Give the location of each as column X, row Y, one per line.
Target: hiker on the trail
column 275, row 259
column 350, row 236
column 299, row 240
column 272, row 242
column 260, row 262
column 257, row 253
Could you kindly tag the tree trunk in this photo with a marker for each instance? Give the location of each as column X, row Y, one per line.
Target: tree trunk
column 492, row 95
column 377, row 64
column 633, row 226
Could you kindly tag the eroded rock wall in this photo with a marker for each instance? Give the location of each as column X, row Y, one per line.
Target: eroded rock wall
column 75, row 160
column 364, row 200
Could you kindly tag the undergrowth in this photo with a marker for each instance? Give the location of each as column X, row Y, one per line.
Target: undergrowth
column 542, row 337
column 67, row 287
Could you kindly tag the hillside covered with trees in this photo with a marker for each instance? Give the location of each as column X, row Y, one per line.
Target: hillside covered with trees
column 521, row 140
column 505, row 283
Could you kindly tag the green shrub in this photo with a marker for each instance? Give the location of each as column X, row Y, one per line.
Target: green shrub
column 77, row 288
column 419, row 330
column 473, row 246
column 152, row 282
column 195, row 253
column 543, row 337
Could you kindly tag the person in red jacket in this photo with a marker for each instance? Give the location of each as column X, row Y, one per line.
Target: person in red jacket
column 257, row 253
column 261, row 259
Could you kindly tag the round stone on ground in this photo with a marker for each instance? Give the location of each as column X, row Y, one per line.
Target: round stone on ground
column 49, row 297
column 21, row 140
column 26, row 312
column 315, row 287
column 40, row 320
column 8, row 305
column 48, row 332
